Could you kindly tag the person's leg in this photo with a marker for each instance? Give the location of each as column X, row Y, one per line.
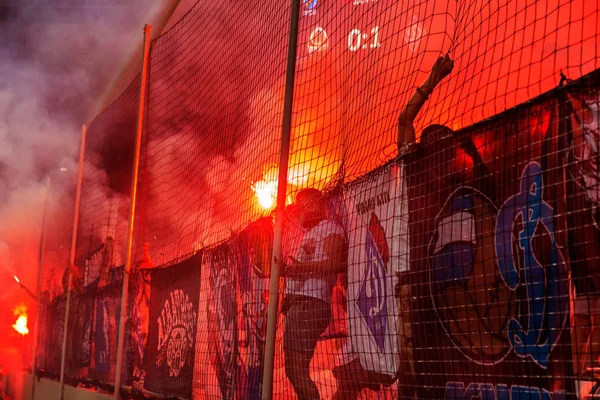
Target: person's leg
column 297, row 369
column 298, row 344
column 305, row 321
column 351, row 380
column 346, row 389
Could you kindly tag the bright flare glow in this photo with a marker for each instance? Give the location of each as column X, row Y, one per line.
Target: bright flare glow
column 21, row 324
column 16, row 279
column 298, row 174
column 265, row 190
column 266, row 193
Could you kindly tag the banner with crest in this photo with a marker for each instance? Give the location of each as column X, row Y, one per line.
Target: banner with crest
column 80, row 328
column 220, row 308
column 377, row 252
column 254, row 251
column 107, row 314
column 174, row 302
column 54, row 333
column 488, row 261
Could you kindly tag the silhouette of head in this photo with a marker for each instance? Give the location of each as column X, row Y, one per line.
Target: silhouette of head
column 435, row 132
column 312, row 207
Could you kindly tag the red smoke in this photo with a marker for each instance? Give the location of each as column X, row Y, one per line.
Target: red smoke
column 215, row 106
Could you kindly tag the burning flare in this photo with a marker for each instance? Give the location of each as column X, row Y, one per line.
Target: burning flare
column 265, row 190
column 21, row 324
column 266, row 193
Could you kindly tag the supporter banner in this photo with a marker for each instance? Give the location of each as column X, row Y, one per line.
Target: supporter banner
column 172, row 334
column 221, row 314
column 55, row 326
column 80, row 330
column 488, row 265
column 377, row 251
column 581, row 139
column 140, row 290
column 107, row 317
column 254, row 251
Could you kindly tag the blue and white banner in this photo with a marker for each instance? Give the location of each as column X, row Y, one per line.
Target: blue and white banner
column 221, row 318
column 489, row 270
column 378, row 250
column 254, row 250
column 106, row 326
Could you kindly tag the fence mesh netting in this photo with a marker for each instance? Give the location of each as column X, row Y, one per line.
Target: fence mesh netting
column 441, row 235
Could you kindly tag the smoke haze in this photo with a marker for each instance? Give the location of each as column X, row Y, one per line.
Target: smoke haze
column 57, row 60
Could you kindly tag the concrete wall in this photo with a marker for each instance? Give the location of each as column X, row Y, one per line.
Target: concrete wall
column 19, row 388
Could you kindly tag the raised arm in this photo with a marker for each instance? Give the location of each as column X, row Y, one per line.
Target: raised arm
column 406, row 131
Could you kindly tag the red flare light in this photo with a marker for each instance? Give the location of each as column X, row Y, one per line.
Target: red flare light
column 20, row 324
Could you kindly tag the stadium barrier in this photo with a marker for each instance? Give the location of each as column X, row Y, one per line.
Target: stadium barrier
column 461, row 266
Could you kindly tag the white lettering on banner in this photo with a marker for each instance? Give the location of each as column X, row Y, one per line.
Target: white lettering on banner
column 371, row 203
column 377, row 249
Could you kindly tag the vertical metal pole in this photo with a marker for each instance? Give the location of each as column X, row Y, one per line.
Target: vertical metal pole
column 267, row 387
column 132, row 199
column 36, row 326
column 72, row 261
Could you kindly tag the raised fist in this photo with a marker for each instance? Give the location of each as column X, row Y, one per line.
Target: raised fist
column 442, row 67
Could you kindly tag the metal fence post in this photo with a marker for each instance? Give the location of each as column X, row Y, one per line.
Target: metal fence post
column 132, row 201
column 267, row 386
column 72, row 261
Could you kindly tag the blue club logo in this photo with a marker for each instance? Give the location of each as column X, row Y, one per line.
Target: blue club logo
column 372, row 295
column 545, row 282
column 498, row 279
